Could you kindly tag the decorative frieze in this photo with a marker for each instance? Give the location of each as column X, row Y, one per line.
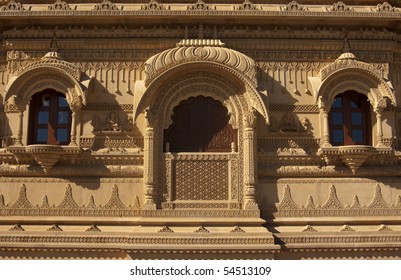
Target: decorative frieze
column 68, row 207
column 334, row 208
column 108, row 107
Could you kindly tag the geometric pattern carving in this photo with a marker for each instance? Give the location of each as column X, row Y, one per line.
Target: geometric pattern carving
column 334, row 208
column 201, row 180
column 114, row 201
column 332, row 202
column 68, row 206
column 306, row 108
column 68, row 201
column 22, row 200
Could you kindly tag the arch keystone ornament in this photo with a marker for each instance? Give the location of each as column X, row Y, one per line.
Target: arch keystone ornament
column 200, row 67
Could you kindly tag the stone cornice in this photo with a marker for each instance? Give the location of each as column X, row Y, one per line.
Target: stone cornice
column 336, row 10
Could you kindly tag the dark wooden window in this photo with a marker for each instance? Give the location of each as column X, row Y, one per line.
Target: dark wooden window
column 200, row 124
column 50, row 118
column 350, row 120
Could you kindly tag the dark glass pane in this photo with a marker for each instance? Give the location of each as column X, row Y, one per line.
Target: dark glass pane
column 42, row 135
column 43, row 117
column 357, row 136
column 62, row 117
column 355, row 102
column 356, row 118
column 62, row 134
column 62, row 102
column 338, row 102
column 45, row 101
column 338, row 135
column 337, row 118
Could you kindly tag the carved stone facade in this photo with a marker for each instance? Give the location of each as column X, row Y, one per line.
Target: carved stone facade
column 255, row 172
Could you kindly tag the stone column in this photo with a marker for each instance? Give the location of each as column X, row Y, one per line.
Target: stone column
column 380, row 142
column 324, row 113
column 18, row 105
column 19, row 128
column 73, row 136
column 149, row 162
column 75, row 106
column 250, row 160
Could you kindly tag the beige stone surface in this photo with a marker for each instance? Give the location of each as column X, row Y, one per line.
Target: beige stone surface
column 282, row 190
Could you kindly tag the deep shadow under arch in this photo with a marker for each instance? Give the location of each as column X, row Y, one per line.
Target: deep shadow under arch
column 200, row 124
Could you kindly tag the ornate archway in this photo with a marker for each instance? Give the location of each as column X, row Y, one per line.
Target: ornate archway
column 50, row 72
column 210, row 70
column 349, row 74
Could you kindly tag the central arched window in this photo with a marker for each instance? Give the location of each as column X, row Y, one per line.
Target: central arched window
column 350, row 120
column 200, row 124
column 50, row 118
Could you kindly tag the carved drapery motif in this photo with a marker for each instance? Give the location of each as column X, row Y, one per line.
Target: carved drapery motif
column 12, row 6
column 385, row 8
column 340, row 7
column 154, row 6
column 106, row 5
column 247, row 6
column 200, row 5
column 294, row 6
column 59, row 5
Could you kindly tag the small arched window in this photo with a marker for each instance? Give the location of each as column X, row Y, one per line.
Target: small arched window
column 50, row 118
column 350, row 120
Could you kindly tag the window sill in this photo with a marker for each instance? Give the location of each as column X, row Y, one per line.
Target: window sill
column 45, row 155
column 353, row 156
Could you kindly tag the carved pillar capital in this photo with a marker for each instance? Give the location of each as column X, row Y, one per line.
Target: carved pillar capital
column 150, row 117
column 250, row 118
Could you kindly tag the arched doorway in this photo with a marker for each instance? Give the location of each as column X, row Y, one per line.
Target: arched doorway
column 200, row 124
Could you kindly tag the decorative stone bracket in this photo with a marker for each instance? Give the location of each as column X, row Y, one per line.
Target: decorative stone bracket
column 45, row 155
column 353, row 156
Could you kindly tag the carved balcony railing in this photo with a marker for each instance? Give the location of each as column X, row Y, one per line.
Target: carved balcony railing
column 201, row 180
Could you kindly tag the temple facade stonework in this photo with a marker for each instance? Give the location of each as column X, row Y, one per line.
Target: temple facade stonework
column 182, row 129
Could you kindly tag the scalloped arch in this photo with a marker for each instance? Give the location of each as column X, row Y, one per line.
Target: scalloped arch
column 350, row 74
column 36, row 79
column 233, row 59
column 253, row 97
